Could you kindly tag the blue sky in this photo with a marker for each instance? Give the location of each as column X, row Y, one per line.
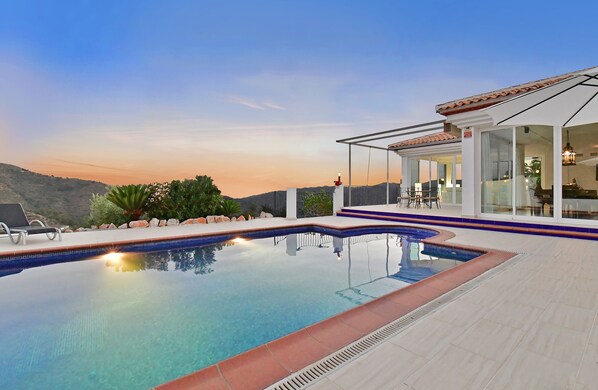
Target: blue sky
column 254, row 94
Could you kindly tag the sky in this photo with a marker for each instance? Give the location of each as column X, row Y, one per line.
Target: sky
column 255, row 93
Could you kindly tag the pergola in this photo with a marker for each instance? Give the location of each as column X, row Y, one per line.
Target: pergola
column 366, row 139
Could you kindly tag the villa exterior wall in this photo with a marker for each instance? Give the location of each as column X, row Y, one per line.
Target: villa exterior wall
column 554, row 180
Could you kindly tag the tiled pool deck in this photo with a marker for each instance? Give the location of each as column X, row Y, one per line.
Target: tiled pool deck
column 532, row 325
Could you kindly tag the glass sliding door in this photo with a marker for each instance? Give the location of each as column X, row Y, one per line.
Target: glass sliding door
column 458, row 181
column 534, row 171
column 580, row 174
column 497, row 171
column 449, row 179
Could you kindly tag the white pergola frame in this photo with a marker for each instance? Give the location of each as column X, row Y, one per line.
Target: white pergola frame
column 366, row 139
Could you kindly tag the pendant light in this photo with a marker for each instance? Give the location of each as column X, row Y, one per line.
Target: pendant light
column 568, row 153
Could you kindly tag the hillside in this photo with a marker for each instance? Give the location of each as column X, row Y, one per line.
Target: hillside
column 56, row 198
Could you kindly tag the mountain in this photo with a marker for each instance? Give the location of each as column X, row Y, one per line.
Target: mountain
column 275, row 201
column 61, row 199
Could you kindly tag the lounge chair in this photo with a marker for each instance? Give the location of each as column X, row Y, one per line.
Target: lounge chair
column 13, row 221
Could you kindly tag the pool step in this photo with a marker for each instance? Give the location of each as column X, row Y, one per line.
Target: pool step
column 475, row 223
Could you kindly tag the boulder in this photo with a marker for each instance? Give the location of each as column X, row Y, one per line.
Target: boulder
column 190, row 221
column 154, row 222
column 139, row 224
column 201, row 220
column 225, row 219
column 162, row 223
column 266, row 215
column 104, row 226
column 241, row 218
column 172, row 222
column 233, row 219
column 111, row 226
column 211, row 219
column 219, row 218
column 123, row 226
column 68, row 230
column 80, row 229
column 94, row 227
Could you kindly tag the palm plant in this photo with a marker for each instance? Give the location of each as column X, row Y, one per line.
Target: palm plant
column 131, row 198
column 229, row 207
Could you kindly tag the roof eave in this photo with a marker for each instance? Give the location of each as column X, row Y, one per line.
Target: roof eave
column 444, row 142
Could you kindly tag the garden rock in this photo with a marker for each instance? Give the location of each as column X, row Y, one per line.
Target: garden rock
column 154, row 222
column 162, row 223
column 172, row 222
column 139, row 224
column 201, row 220
column 123, row 226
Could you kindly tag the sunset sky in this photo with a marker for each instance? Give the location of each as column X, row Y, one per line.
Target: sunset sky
column 254, row 93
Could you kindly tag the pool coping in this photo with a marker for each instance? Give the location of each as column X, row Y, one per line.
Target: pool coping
column 267, row 364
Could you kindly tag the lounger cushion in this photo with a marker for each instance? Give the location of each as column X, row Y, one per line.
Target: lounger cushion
column 34, row 229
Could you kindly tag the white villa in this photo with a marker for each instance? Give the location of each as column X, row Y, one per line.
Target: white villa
column 527, row 153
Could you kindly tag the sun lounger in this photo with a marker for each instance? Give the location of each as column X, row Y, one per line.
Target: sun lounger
column 14, row 222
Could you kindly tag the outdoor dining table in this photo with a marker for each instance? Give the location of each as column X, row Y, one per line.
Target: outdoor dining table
column 418, row 196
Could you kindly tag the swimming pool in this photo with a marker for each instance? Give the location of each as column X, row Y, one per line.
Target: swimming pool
column 137, row 319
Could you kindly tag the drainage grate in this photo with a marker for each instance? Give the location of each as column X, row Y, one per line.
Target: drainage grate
column 312, row 373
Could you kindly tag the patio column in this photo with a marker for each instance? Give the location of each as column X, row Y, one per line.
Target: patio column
column 387, row 177
column 291, row 203
column 406, row 173
column 349, row 175
column 470, row 165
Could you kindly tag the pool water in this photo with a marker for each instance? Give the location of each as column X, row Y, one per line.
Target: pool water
column 135, row 320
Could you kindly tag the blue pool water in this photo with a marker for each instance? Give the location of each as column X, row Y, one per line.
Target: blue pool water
column 135, row 320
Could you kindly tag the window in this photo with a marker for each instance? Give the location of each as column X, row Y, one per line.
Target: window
column 497, row 171
column 534, row 184
column 580, row 181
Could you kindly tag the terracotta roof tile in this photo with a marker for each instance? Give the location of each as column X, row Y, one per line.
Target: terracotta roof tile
column 426, row 139
column 487, row 99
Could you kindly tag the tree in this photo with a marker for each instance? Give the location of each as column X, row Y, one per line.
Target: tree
column 192, row 198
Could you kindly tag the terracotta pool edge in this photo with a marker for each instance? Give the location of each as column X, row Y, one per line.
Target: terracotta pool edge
column 350, row 325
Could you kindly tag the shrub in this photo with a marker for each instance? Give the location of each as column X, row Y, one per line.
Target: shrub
column 191, row 198
column 103, row 211
column 156, row 206
column 317, row 204
column 229, row 208
column 131, row 199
